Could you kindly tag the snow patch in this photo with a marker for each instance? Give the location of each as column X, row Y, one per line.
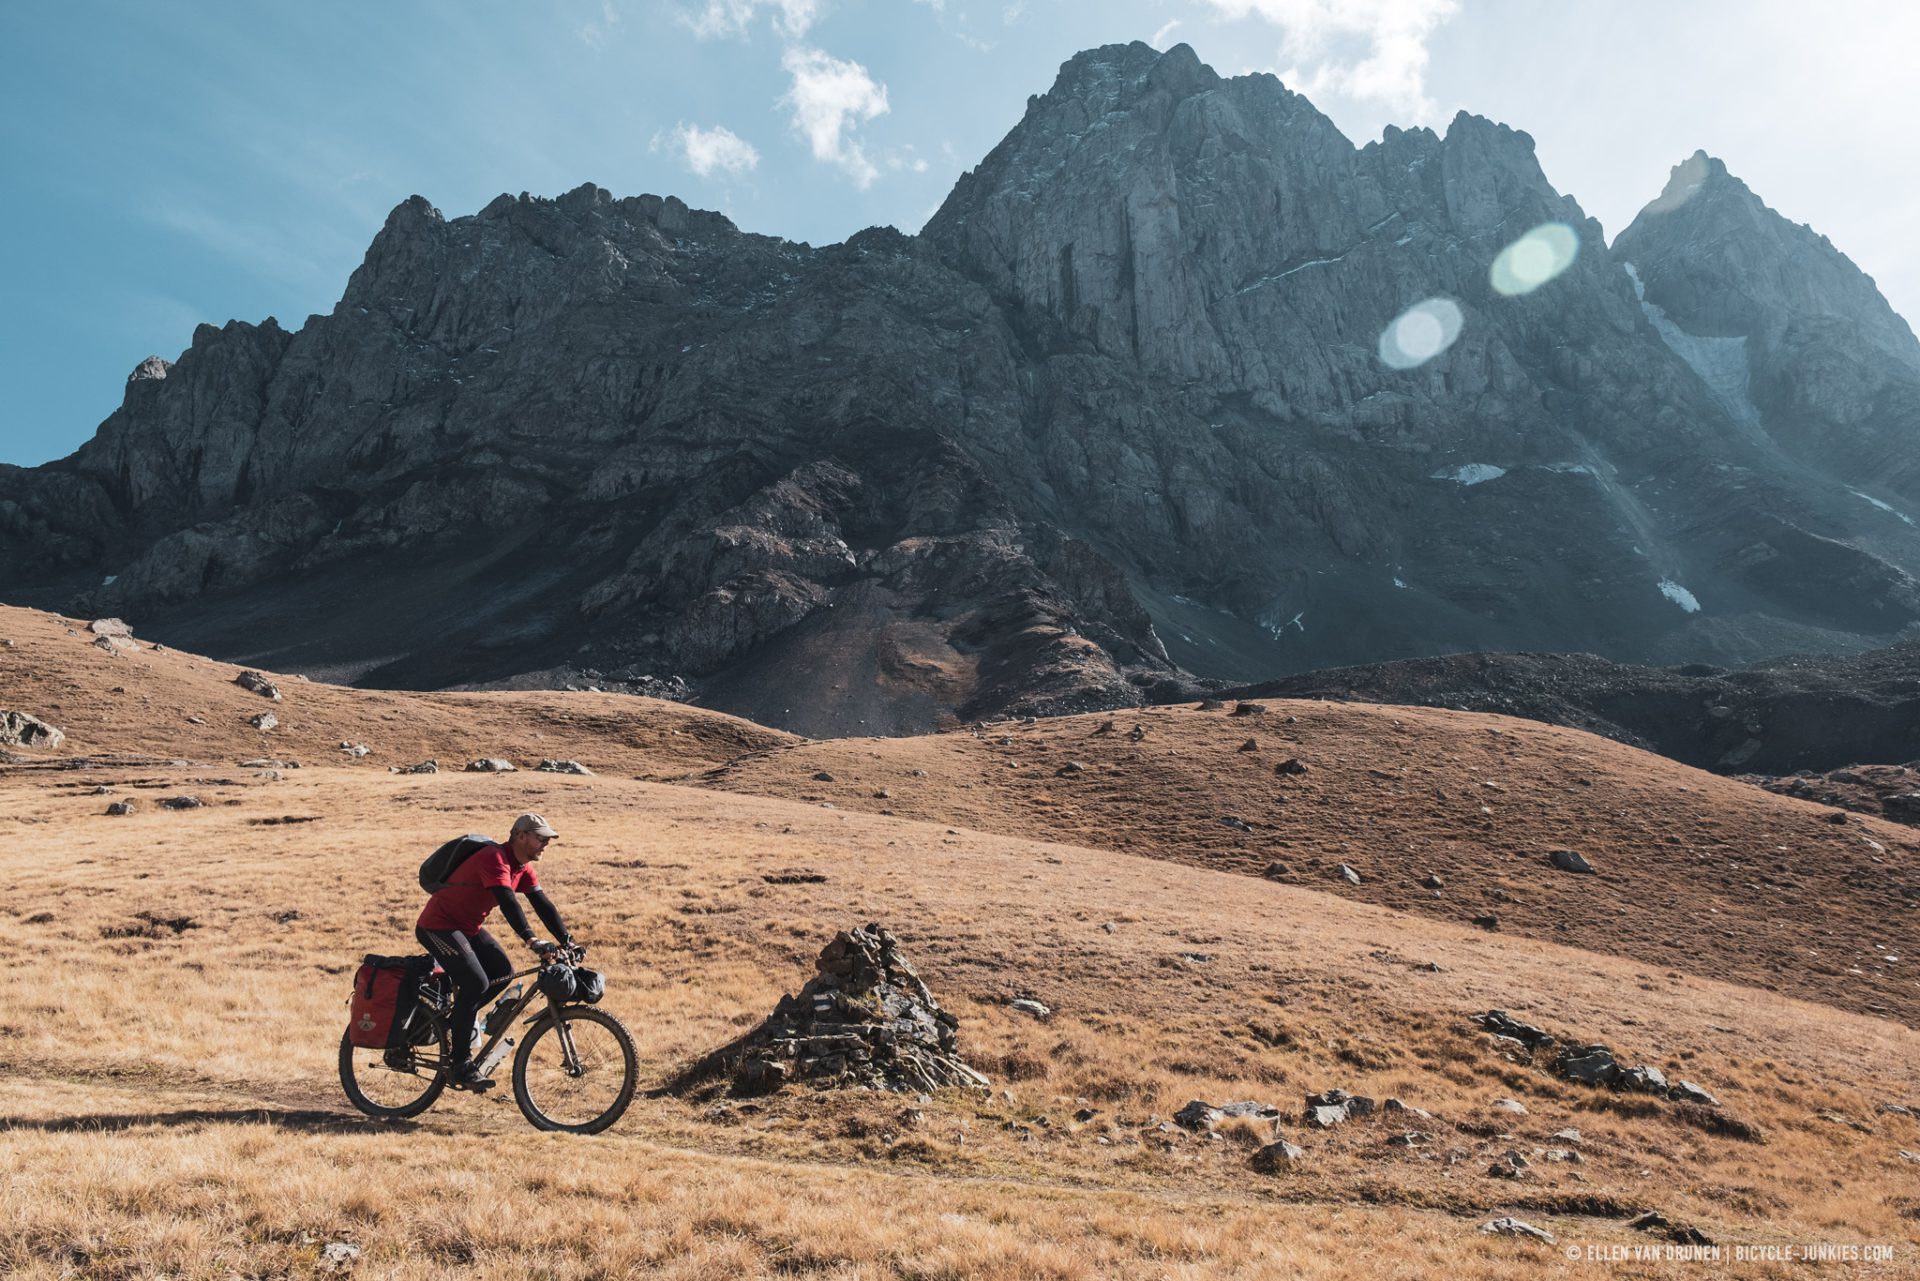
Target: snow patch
column 1720, row 362
column 1397, row 582
column 1580, row 469
column 1267, row 280
column 1882, row 506
column 108, row 580
column 1471, row 473
column 1679, row 595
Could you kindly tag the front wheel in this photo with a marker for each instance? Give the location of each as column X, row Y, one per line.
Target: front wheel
column 576, row 1072
column 391, row 1085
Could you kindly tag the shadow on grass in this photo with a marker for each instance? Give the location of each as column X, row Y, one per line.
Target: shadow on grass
column 312, row 1120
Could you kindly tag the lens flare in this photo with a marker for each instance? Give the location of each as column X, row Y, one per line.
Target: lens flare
column 1535, row 258
column 1420, row 333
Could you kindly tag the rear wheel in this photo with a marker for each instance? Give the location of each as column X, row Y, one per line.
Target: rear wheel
column 392, row 1085
column 576, row 1072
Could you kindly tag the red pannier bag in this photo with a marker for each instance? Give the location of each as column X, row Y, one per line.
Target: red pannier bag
column 384, row 991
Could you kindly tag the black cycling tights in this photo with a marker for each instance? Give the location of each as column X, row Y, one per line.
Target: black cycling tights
column 479, row 968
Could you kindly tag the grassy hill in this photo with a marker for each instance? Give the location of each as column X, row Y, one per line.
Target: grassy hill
column 179, row 980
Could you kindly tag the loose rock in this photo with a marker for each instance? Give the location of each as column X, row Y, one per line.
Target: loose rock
column 1248, row 709
column 424, row 767
column 181, row 803
column 1292, row 765
column 17, row 729
column 563, row 767
column 264, row 721
column 1277, row 1156
column 1568, row 861
column 121, row 808
column 109, row 627
column 491, row 765
column 1027, row 1005
column 259, row 684
column 1510, row 1226
column 1500, row 1023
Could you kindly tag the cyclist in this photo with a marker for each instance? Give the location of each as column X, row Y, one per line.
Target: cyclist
column 452, row 928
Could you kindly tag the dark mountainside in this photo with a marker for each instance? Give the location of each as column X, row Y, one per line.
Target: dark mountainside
column 1782, row 716
column 1117, row 412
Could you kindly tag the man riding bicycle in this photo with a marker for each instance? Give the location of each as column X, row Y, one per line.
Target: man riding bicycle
column 452, row 928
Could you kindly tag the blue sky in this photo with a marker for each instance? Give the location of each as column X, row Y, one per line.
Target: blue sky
column 169, row 163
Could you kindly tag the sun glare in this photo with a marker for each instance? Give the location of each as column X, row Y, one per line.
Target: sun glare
column 1535, row 258
column 1420, row 333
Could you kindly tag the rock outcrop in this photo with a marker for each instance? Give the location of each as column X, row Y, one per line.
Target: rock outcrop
column 865, row 1019
column 1119, row 410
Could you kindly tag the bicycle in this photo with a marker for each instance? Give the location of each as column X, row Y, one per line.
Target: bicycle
column 575, row 1072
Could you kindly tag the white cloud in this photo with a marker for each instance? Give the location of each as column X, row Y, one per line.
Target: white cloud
column 828, row 98
column 706, row 150
column 1158, row 38
column 733, row 17
column 1390, row 68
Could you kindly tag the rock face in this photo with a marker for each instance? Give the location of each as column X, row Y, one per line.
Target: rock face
column 1775, row 717
column 1118, row 410
column 865, row 1019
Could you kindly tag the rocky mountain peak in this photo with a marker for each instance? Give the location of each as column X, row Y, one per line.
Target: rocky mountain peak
column 1126, row 402
column 1797, row 340
column 1722, row 263
column 152, row 369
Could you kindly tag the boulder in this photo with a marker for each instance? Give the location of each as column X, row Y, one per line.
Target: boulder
column 17, row 729
column 1027, row 1005
column 1347, row 874
column 263, row 721
column 1590, row 1064
column 355, row 750
column 563, row 767
column 1277, row 1156
column 181, row 803
column 110, row 627
column 1332, row 1107
column 1688, row 1092
column 121, row 808
column 1569, row 861
column 1510, row 1226
column 491, row 765
column 1293, row 765
column 1642, row 1080
column 424, row 767
column 1500, row 1023
column 258, row 684
column 1248, row 709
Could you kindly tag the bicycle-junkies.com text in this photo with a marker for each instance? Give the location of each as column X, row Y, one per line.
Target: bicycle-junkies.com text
column 1677, row 1252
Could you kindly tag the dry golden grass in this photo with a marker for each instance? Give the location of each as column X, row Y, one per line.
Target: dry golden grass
column 170, row 1108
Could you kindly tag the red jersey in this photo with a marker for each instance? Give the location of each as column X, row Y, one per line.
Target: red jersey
column 467, row 900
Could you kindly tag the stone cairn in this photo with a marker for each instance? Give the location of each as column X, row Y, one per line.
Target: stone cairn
column 864, row 1019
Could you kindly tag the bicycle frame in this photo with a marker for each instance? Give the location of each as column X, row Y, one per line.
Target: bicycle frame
column 517, row 1007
